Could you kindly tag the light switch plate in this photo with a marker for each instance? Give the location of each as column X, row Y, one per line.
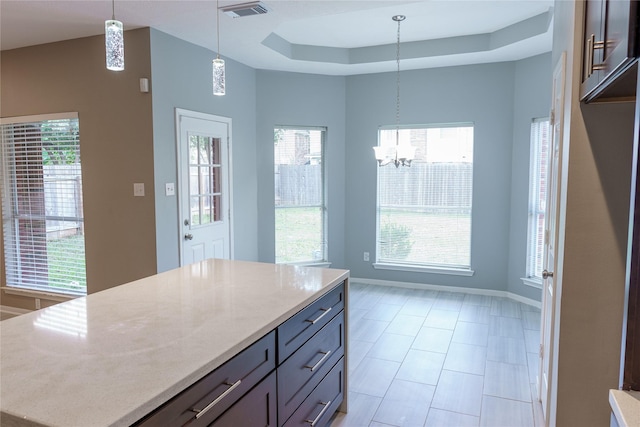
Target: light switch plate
column 169, row 189
column 138, row 189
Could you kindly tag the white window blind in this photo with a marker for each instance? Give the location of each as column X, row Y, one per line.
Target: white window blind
column 299, row 195
column 424, row 211
column 42, row 212
column 537, row 196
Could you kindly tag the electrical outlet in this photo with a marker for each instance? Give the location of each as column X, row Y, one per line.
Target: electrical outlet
column 366, row 256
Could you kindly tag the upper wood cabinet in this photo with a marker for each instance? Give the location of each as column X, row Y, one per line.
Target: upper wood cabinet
column 609, row 50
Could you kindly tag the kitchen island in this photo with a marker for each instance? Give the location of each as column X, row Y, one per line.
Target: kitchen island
column 114, row 357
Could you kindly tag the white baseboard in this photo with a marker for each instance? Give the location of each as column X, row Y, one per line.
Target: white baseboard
column 424, row 286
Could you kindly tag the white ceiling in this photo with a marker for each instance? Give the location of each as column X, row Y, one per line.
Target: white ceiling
column 335, row 37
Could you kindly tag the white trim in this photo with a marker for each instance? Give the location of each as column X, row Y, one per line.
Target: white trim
column 424, row 286
column 421, row 269
column 179, row 113
column 532, row 281
column 309, row 264
column 37, row 118
column 15, row 311
column 49, row 296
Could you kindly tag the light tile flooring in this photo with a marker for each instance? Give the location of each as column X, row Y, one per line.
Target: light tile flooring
column 426, row 358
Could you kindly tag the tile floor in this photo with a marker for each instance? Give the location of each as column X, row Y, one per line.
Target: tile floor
column 423, row 358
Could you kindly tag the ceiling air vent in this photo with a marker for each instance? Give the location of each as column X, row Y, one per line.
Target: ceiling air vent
column 245, row 9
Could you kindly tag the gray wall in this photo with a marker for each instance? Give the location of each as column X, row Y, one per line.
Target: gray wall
column 500, row 99
column 301, row 100
column 481, row 94
column 532, row 99
column 181, row 78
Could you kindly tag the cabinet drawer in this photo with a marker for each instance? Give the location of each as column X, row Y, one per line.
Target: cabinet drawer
column 256, row 408
column 299, row 328
column 302, row 372
column 323, row 401
column 225, row 385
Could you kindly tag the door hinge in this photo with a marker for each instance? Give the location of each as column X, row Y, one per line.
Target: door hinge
column 552, row 117
column 546, row 237
column 541, row 350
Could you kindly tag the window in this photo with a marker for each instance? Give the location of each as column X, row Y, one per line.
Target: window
column 42, row 217
column 537, row 196
column 299, row 195
column 424, row 211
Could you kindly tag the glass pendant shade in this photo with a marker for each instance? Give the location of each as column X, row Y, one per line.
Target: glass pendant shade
column 218, row 77
column 114, row 43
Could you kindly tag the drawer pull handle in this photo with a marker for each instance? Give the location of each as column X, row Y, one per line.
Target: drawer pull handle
column 320, row 362
column 325, row 311
column 314, row 421
column 203, row 411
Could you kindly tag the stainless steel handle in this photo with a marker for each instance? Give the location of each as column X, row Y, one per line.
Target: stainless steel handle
column 203, row 411
column 546, row 274
column 326, row 310
column 592, row 45
column 320, row 362
column 188, row 236
column 315, row 420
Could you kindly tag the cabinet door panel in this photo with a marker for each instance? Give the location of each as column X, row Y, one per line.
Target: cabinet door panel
column 226, row 384
column 322, row 402
column 301, row 373
column 256, row 408
column 302, row 326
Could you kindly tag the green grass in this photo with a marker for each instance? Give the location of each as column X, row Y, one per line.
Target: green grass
column 66, row 259
column 438, row 238
column 298, row 234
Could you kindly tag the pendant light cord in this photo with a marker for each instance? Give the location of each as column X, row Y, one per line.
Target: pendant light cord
column 218, row 26
column 398, row 19
column 113, row 10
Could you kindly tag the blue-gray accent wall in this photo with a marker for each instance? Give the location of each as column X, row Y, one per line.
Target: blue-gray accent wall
column 500, row 99
column 181, row 78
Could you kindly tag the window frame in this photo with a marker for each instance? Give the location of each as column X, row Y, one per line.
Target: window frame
column 8, row 192
column 324, row 261
column 536, row 206
column 425, row 267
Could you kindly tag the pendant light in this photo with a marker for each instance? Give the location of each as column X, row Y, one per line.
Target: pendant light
column 218, row 64
column 400, row 154
column 114, row 41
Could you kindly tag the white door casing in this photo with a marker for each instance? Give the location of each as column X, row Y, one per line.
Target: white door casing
column 204, row 190
column 551, row 237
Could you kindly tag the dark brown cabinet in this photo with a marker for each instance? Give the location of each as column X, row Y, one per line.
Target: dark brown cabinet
column 610, row 48
column 295, row 372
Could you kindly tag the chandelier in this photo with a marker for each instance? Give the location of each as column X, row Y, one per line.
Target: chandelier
column 398, row 154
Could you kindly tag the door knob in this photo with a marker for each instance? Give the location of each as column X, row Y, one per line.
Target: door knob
column 188, row 237
column 546, row 274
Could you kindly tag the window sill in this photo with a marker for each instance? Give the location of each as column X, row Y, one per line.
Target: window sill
column 532, row 281
column 310, row 264
column 434, row 270
column 49, row 296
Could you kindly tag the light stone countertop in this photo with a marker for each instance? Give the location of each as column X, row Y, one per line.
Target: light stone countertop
column 110, row 358
column 626, row 407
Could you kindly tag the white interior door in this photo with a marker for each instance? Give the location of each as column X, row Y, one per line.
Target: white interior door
column 551, row 236
column 204, row 190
